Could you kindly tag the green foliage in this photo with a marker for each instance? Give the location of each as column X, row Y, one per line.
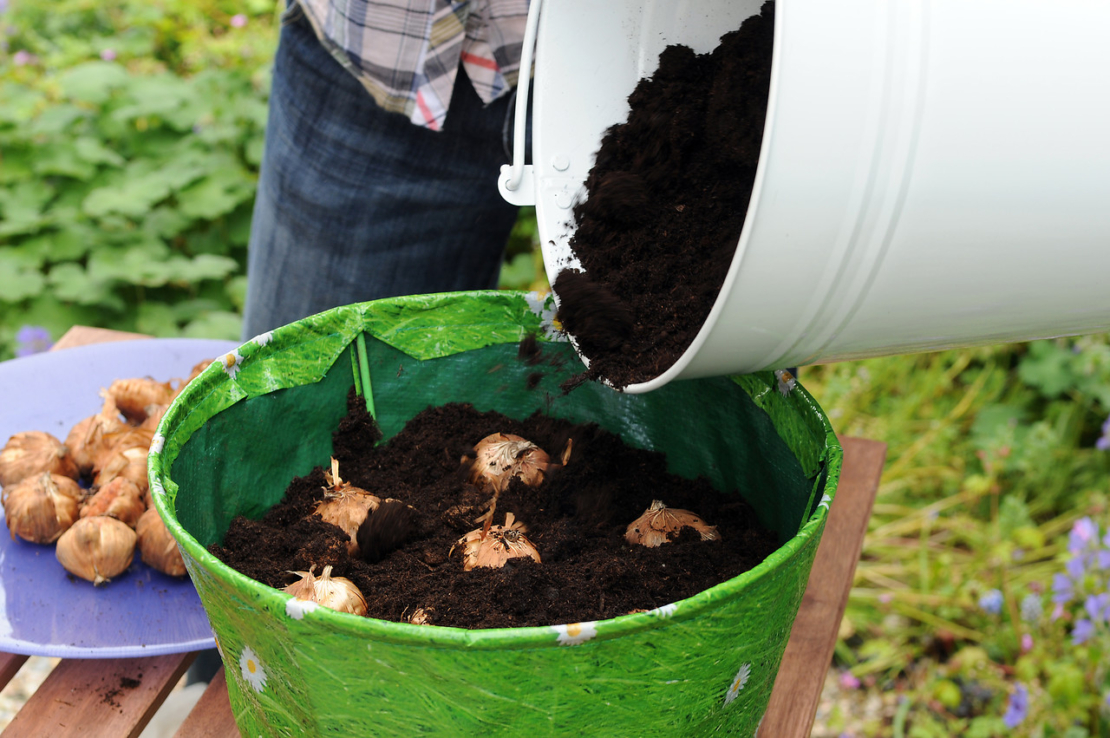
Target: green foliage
column 131, row 142
column 991, row 462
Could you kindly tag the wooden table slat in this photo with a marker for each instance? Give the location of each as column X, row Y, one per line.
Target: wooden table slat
column 809, row 652
column 10, row 664
column 99, row 697
column 82, row 335
column 212, row 716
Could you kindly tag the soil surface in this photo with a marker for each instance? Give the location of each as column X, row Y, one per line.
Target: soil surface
column 666, row 201
column 576, row 518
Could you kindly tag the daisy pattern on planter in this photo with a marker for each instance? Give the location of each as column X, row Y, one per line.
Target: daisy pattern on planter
column 786, row 381
column 738, row 682
column 252, row 670
column 665, row 611
column 572, row 634
column 231, row 363
column 296, row 607
column 825, row 500
column 156, row 487
column 263, row 338
column 156, row 443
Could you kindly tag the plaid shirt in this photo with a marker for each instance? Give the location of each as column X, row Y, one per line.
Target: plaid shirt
column 407, row 52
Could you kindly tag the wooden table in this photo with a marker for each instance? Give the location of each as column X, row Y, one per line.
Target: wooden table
column 69, row 702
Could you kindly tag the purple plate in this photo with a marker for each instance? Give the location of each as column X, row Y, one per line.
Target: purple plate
column 43, row 610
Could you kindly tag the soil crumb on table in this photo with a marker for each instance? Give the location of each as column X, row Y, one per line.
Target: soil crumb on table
column 576, row 519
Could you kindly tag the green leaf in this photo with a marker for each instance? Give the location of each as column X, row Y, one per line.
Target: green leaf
column 157, row 319
column 203, row 266
column 1013, row 513
column 215, row 325
column 55, row 119
column 253, row 150
column 518, row 273
column 21, row 207
column 165, row 222
column 216, row 194
column 1048, row 367
column 62, row 159
column 143, row 263
column 58, row 317
column 94, row 152
column 237, row 291
column 18, row 279
column 92, row 81
column 72, row 283
column 18, row 103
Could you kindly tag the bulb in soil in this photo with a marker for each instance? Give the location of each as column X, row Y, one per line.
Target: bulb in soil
column 422, row 616
column 660, row 523
column 31, row 453
column 492, row 546
column 97, row 548
column 119, row 499
column 500, row 457
column 157, row 546
column 39, row 509
column 345, row 506
column 337, row 593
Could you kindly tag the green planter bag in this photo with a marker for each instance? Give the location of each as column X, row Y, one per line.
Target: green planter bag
column 264, row 413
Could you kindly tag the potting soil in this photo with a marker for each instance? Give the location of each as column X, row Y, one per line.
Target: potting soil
column 666, row 202
column 576, row 519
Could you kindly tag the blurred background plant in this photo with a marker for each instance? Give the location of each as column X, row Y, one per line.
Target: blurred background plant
column 130, row 139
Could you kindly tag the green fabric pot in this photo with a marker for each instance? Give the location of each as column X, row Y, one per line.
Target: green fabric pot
column 265, row 413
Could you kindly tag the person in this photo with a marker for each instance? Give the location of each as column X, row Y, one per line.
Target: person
column 388, row 125
column 389, row 122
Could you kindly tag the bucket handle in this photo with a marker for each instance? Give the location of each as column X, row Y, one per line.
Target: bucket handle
column 515, row 183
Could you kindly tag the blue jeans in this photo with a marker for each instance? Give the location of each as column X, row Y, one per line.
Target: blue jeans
column 355, row 203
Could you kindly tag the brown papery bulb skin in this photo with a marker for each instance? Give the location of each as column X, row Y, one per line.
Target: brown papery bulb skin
column 499, row 457
column 112, row 444
column 129, row 464
column 42, row 508
column 659, row 523
column 345, row 506
column 493, row 547
column 157, row 545
column 134, row 396
column 97, row 548
column 76, row 440
column 29, row 453
column 336, row 593
column 119, row 499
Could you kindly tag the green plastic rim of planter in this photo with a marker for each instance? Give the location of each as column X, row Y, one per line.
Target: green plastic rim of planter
column 265, row 413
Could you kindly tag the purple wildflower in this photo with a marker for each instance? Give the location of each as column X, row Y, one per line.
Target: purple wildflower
column 1017, row 708
column 1062, row 589
column 108, row 54
column 848, row 680
column 991, row 602
column 1082, row 631
column 22, row 58
column 238, row 21
column 1103, row 443
column 1076, row 567
column 32, row 339
column 1026, row 643
column 1098, row 606
column 3, row 6
column 1082, row 533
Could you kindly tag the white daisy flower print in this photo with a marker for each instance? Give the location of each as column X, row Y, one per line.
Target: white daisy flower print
column 574, row 633
column 543, row 305
column 231, row 363
column 252, row 670
column 738, row 683
column 156, row 487
column 786, row 381
column 296, row 608
column 263, row 338
column 665, row 611
column 825, row 501
column 156, row 443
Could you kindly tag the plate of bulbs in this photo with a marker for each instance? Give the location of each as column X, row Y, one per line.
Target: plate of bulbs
column 88, row 570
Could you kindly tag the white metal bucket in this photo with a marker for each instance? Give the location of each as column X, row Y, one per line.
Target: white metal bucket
column 933, row 174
